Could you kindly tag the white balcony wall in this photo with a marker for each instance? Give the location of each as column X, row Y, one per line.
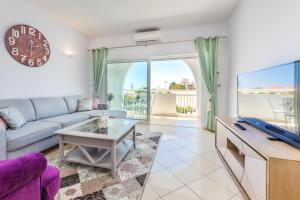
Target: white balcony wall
column 164, row 104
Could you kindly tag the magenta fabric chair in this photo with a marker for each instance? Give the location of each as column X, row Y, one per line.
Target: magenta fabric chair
column 28, row 178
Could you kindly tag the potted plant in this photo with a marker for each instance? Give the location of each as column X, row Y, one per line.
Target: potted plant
column 110, row 97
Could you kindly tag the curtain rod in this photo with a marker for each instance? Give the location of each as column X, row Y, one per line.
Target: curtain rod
column 150, row 44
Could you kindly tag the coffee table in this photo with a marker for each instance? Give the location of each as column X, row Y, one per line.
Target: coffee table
column 97, row 147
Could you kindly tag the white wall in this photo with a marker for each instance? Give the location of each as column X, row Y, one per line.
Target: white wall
column 60, row 75
column 261, row 34
column 158, row 50
column 171, row 50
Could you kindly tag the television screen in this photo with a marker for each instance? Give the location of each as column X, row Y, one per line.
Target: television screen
column 272, row 95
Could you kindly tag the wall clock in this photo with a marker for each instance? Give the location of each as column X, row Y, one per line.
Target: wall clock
column 27, row 45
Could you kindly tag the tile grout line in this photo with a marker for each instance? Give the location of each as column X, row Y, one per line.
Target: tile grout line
column 203, row 175
column 184, row 184
column 185, row 162
column 219, row 183
column 168, row 125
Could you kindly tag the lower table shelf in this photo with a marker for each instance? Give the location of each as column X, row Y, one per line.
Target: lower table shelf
column 77, row 156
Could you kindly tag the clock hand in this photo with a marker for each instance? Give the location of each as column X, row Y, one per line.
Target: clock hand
column 31, row 43
column 31, row 46
column 31, row 50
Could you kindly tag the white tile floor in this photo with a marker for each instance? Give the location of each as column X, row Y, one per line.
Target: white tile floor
column 187, row 167
column 186, row 121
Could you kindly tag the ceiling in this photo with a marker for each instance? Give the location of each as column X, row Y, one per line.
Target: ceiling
column 98, row 18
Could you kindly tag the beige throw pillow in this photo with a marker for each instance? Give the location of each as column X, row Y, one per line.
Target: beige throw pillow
column 85, row 105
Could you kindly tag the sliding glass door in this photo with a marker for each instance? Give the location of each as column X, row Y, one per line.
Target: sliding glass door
column 127, row 88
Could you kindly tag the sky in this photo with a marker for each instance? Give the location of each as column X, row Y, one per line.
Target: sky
column 277, row 76
column 161, row 71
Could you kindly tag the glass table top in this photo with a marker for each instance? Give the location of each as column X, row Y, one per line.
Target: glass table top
column 116, row 128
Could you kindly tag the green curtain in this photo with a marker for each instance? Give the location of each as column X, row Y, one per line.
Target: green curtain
column 99, row 65
column 297, row 94
column 207, row 49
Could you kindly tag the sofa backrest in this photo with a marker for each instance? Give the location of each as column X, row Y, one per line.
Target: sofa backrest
column 23, row 105
column 72, row 102
column 49, row 107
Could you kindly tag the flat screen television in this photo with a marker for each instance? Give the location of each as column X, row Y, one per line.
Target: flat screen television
column 269, row 99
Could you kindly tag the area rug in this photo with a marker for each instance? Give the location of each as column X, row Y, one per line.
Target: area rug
column 92, row 183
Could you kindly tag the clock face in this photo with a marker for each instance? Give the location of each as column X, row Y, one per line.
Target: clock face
column 27, row 45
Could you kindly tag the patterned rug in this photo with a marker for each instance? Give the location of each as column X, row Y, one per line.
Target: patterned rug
column 92, row 183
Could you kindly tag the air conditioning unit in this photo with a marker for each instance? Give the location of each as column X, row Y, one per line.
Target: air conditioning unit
column 147, row 37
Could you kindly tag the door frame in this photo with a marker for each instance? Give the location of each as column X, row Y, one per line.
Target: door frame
column 177, row 57
column 148, row 81
column 149, row 61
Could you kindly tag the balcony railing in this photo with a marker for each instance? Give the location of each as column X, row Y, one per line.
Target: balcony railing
column 166, row 104
column 186, row 104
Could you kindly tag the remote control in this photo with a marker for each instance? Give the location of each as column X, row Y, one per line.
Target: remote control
column 273, row 138
column 239, row 126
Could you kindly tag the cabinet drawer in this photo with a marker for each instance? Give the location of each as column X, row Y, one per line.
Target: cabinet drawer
column 235, row 164
column 221, row 138
column 230, row 147
column 264, row 170
column 254, row 180
column 223, row 135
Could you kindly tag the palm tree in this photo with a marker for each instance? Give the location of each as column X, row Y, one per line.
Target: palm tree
column 137, row 98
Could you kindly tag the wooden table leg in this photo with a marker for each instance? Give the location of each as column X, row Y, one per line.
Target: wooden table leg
column 113, row 158
column 61, row 149
column 134, row 138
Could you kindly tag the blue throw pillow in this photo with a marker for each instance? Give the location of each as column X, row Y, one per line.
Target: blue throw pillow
column 13, row 117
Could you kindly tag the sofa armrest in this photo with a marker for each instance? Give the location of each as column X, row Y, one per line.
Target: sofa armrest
column 2, row 143
column 20, row 171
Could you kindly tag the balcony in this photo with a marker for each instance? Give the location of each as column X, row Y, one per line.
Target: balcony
column 174, row 89
column 176, row 103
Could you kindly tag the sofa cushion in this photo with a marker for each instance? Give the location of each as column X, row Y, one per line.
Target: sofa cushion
column 67, row 119
column 13, row 117
column 29, row 133
column 102, row 106
column 72, row 102
column 110, row 113
column 92, row 113
column 49, row 107
column 38, row 146
column 23, row 105
column 85, row 105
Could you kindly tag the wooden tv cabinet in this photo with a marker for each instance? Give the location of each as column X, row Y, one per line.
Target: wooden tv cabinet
column 263, row 169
